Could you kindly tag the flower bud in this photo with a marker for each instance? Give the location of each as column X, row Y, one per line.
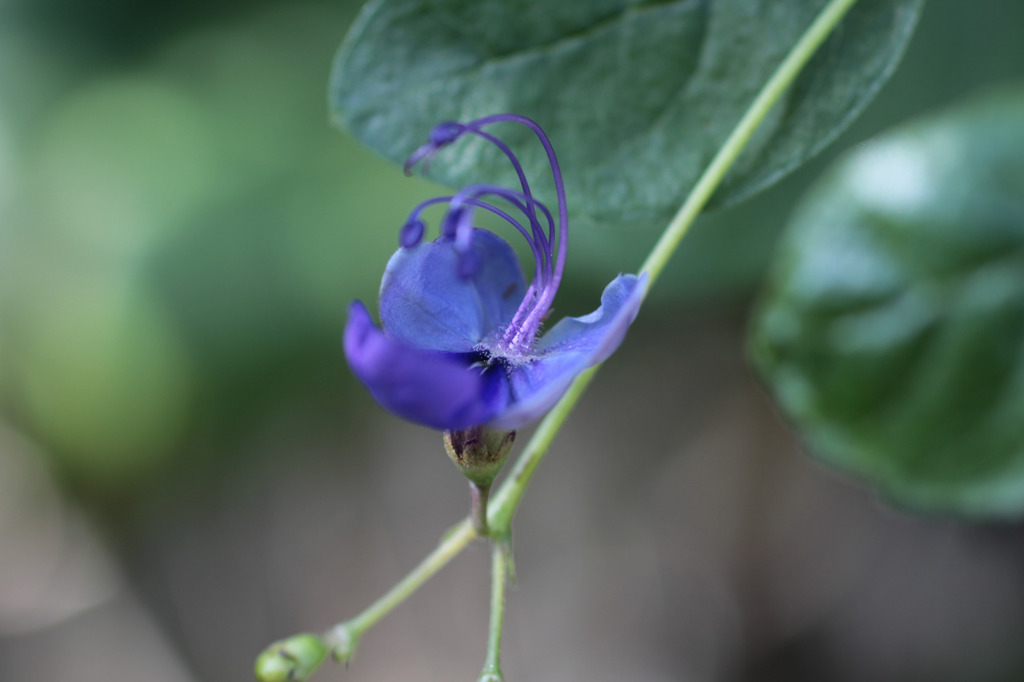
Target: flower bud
column 293, row 659
column 479, row 452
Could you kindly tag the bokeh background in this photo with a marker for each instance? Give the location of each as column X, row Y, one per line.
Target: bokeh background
column 188, row 471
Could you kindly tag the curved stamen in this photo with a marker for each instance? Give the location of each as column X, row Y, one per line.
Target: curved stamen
column 441, row 135
column 447, row 132
column 538, row 242
column 538, row 261
column 412, row 232
column 459, row 224
column 414, row 221
column 532, row 214
column 531, row 313
column 534, row 320
column 521, row 334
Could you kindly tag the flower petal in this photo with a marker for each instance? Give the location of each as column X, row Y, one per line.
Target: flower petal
column 436, row 389
column 536, row 388
column 424, row 303
column 600, row 332
column 571, row 346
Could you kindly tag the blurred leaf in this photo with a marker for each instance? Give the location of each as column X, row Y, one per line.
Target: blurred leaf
column 892, row 332
column 229, row 292
column 116, row 164
column 341, row 222
column 104, row 379
column 8, row 178
column 262, row 82
column 637, row 97
column 33, row 72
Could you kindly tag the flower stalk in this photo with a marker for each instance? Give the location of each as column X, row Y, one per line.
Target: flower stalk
column 478, row 497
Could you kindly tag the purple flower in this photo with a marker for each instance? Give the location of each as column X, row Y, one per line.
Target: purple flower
column 461, row 344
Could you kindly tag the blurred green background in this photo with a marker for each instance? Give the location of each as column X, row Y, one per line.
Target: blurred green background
column 188, row 470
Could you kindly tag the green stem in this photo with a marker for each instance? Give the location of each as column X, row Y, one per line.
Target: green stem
column 500, row 557
column 478, row 496
column 770, row 94
column 342, row 638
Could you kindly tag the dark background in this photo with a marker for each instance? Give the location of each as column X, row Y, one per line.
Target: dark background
column 188, row 470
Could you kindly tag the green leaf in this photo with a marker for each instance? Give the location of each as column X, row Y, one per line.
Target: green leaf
column 892, row 331
column 637, row 96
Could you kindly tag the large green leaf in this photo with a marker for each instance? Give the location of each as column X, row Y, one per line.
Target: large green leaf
column 892, row 331
column 637, row 96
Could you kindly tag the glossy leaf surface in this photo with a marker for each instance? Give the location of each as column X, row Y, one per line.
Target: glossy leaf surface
column 638, row 96
column 892, row 331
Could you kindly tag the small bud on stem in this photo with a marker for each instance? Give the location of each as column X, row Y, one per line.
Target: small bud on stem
column 291, row 660
column 479, row 453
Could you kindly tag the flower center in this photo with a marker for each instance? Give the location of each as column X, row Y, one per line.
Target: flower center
column 537, row 225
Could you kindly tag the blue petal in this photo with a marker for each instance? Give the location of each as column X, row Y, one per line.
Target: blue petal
column 436, row 389
column 424, row 303
column 571, row 346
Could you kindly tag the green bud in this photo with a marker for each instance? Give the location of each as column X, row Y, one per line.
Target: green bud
column 479, row 452
column 291, row 660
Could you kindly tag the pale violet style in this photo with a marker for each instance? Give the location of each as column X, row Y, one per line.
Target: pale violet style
column 460, row 341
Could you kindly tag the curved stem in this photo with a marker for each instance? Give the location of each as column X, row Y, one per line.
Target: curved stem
column 451, row 545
